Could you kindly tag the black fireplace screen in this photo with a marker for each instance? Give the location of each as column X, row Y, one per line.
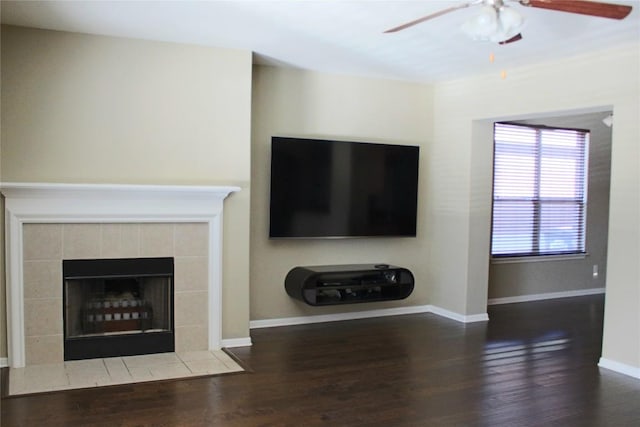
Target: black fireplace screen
column 117, row 307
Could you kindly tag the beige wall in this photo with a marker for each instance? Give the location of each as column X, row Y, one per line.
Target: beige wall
column 3, row 313
column 90, row 109
column 460, row 185
column 81, row 108
column 3, row 296
column 298, row 103
column 525, row 277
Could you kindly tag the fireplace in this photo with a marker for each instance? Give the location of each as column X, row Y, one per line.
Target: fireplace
column 118, row 307
column 49, row 223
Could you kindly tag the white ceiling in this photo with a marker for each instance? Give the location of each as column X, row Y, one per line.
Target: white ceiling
column 336, row 36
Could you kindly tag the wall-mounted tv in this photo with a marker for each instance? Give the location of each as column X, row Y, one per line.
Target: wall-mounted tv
column 333, row 189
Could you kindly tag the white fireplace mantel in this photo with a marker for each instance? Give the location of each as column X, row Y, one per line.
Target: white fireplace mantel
column 106, row 203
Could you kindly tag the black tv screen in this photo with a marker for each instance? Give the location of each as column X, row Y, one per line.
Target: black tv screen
column 332, row 189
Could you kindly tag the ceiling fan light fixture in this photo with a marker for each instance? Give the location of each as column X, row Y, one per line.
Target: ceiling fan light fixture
column 511, row 22
column 482, row 25
column 494, row 24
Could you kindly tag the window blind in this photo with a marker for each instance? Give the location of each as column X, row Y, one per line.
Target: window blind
column 539, row 190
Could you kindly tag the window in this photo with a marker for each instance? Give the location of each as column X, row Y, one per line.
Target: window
column 539, row 190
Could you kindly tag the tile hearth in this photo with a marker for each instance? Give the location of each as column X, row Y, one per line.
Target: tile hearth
column 118, row 370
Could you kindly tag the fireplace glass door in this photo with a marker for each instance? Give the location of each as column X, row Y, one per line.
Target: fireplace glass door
column 117, row 307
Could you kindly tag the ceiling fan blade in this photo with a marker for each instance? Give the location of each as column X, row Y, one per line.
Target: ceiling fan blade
column 512, row 39
column 592, row 8
column 428, row 17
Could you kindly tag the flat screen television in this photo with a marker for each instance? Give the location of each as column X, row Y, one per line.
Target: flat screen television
column 340, row 189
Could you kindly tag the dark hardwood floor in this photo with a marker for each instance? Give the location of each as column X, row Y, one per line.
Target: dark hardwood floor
column 532, row 364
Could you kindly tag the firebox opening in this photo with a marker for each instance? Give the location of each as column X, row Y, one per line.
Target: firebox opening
column 117, row 307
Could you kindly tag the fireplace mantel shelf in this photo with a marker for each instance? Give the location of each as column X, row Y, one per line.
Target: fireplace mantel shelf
column 106, row 203
column 38, row 190
column 48, row 202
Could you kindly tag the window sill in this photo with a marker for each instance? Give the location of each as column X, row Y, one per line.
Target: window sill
column 540, row 258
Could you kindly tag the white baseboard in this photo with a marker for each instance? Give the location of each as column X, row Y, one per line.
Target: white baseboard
column 483, row 317
column 550, row 295
column 321, row 318
column 621, row 368
column 396, row 311
column 236, row 342
column 4, row 362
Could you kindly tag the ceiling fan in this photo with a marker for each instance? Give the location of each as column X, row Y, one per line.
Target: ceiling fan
column 497, row 22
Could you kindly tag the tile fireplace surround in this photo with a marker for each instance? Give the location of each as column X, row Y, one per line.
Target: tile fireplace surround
column 46, row 223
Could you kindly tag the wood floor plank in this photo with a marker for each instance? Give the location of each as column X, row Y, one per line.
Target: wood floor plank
column 532, row 364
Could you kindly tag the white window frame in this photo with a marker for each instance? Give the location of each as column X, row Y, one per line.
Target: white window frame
column 534, row 152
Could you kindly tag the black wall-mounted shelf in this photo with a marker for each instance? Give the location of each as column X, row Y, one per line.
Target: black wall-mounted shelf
column 348, row 284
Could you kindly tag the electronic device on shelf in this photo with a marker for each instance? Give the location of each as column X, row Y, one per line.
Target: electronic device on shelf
column 346, row 284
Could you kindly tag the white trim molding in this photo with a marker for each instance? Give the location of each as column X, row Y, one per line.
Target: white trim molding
column 550, row 295
column 4, row 362
column 469, row 318
column 237, row 342
column 321, row 318
column 107, row 203
column 621, row 368
column 396, row 311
